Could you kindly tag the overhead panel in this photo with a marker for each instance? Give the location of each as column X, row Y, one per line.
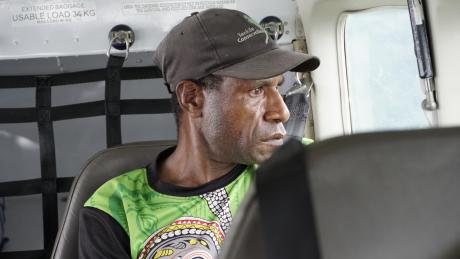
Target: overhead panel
column 56, row 28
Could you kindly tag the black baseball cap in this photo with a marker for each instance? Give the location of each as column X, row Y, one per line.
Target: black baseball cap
column 224, row 42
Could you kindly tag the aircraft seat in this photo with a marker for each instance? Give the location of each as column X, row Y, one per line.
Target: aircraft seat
column 379, row 195
column 101, row 167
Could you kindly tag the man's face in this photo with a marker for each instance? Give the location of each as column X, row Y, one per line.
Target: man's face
column 243, row 120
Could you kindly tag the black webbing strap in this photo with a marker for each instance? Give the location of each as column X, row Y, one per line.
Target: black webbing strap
column 130, row 73
column 18, row 81
column 146, row 106
column 53, row 80
column 18, row 188
column 35, row 254
column 33, row 186
column 18, row 115
column 136, row 73
column 79, row 110
column 47, row 162
column 112, row 100
column 85, row 110
column 287, row 216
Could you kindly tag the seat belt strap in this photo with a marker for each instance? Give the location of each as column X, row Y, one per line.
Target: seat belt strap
column 298, row 108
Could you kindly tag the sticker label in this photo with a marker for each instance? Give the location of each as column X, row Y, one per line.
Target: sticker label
column 135, row 7
column 39, row 12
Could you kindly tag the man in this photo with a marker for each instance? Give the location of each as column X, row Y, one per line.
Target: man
column 223, row 71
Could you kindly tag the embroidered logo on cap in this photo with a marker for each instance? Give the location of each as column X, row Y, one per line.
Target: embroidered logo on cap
column 251, row 31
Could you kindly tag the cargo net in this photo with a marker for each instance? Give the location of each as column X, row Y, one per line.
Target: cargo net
column 44, row 114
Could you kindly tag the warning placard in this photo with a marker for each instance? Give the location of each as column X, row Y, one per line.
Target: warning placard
column 133, row 7
column 39, row 12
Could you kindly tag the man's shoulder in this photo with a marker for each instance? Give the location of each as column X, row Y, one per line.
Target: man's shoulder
column 115, row 186
column 111, row 196
column 130, row 177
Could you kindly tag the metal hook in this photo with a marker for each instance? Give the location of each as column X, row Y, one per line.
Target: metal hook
column 121, row 37
column 300, row 86
column 298, row 78
column 126, row 49
column 309, row 89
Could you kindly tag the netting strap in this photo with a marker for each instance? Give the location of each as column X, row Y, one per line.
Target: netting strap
column 112, row 100
column 30, row 81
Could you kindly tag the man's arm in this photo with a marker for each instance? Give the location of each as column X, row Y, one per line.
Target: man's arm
column 100, row 236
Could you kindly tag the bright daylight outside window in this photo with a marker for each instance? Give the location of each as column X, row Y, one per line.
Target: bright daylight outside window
column 384, row 92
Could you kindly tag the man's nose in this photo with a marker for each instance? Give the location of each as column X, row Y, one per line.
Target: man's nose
column 276, row 110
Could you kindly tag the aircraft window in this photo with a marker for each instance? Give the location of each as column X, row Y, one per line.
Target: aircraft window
column 382, row 89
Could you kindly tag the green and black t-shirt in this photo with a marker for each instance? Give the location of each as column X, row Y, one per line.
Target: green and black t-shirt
column 154, row 219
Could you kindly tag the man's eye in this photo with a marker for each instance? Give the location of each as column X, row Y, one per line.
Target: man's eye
column 257, row 91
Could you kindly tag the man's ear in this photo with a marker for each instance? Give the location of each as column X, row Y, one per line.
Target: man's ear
column 190, row 97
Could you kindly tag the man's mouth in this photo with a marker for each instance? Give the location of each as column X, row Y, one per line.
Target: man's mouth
column 275, row 139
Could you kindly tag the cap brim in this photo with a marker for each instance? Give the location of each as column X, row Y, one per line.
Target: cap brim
column 269, row 64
